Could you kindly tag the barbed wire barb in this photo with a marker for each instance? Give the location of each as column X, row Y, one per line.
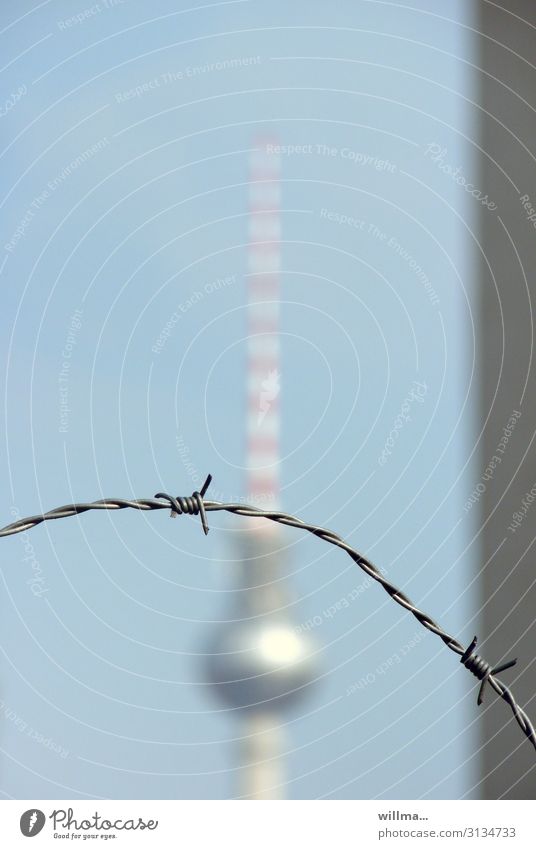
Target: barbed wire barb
column 195, row 505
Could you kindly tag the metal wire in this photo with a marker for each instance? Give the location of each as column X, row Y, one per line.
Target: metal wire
column 197, row 505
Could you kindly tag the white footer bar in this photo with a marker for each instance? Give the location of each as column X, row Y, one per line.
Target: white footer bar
column 269, row 824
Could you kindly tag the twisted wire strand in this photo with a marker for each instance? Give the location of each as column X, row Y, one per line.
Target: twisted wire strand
column 196, row 505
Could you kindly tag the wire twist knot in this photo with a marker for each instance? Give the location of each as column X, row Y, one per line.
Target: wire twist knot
column 480, row 668
column 192, row 504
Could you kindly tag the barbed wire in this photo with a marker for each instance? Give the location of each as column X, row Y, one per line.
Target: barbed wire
column 196, row 505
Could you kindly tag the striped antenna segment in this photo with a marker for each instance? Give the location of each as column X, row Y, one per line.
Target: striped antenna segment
column 263, row 382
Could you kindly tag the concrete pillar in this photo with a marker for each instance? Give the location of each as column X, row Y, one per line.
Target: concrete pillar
column 507, row 373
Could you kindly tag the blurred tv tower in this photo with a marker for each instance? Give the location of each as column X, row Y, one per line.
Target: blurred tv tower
column 259, row 662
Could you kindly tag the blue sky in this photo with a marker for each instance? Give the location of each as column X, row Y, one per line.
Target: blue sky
column 129, row 196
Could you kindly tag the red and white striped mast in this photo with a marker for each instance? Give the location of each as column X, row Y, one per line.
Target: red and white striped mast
column 259, row 662
column 263, row 774
column 263, row 383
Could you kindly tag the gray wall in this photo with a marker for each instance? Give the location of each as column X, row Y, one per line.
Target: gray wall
column 507, row 264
